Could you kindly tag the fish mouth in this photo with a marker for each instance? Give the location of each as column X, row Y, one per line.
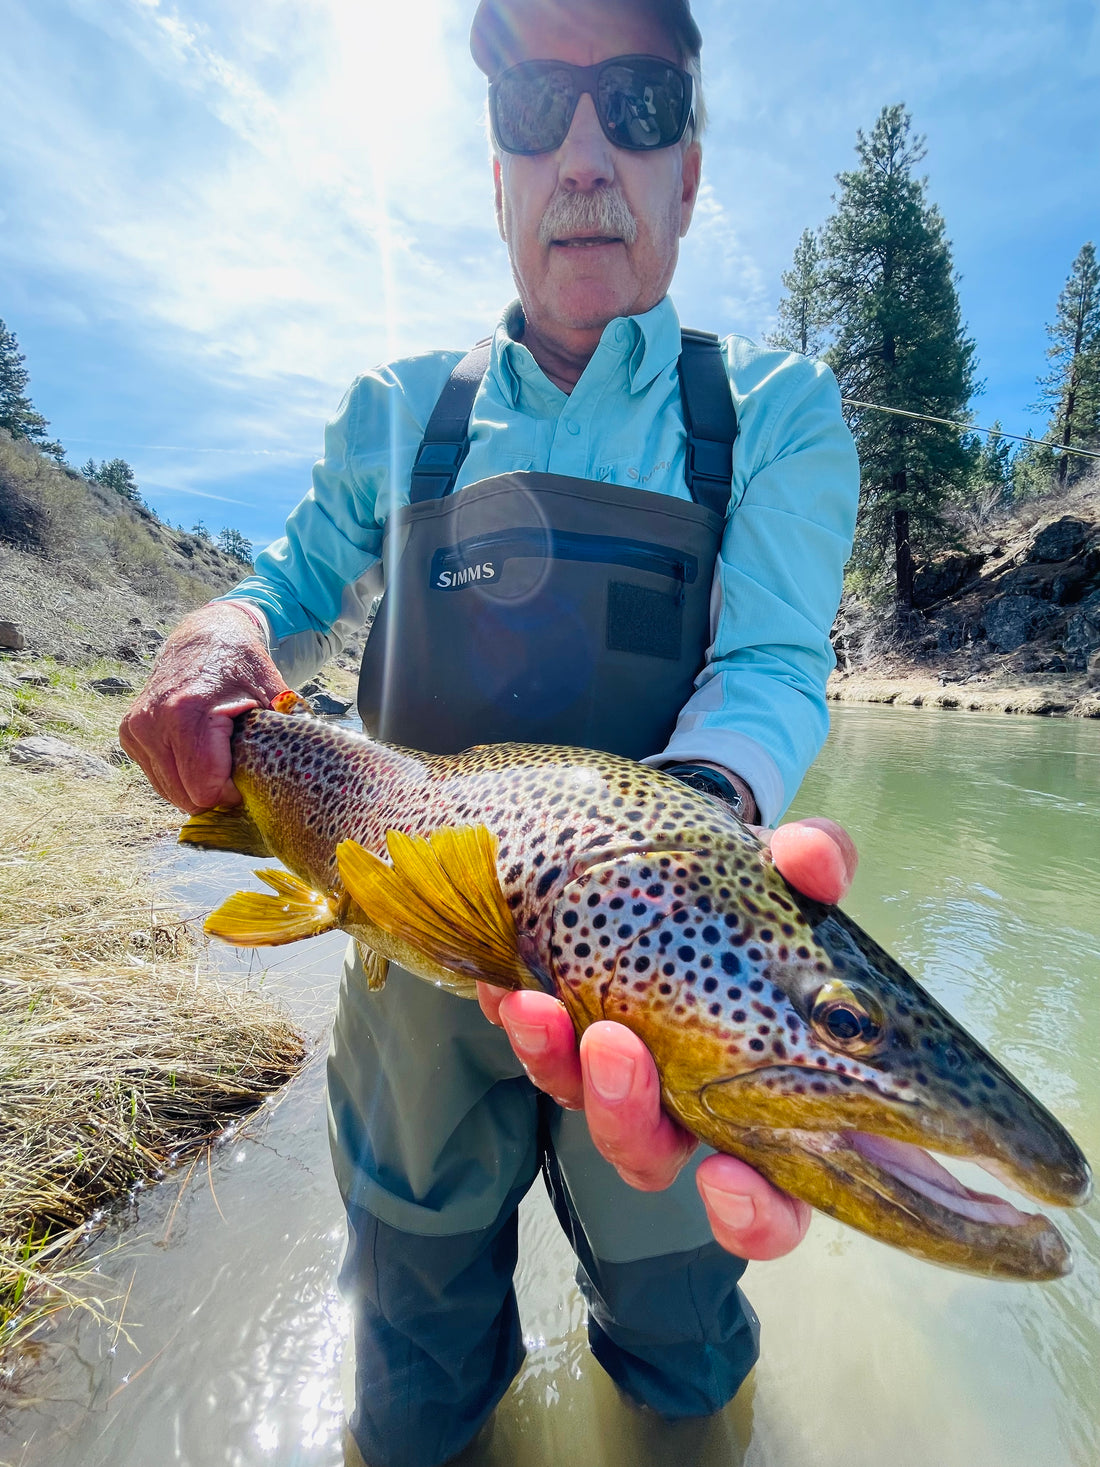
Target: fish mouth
column 918, row 1170
column 892, row 1188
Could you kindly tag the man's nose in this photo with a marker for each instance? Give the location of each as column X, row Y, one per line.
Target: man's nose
column 587, row 159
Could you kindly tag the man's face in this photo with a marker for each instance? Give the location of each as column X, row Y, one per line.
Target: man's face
column 565, row 283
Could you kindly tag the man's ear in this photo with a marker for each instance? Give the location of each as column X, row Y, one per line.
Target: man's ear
column 498, row 197
column 692, row 172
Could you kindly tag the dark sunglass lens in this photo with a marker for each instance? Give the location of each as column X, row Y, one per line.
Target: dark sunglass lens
column 532, row 107
column 642, row 105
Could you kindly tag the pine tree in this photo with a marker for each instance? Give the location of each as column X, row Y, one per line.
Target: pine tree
column 117, row 475
column 1072, row 387
column 899, row 342
column 232, row 542
column 803, row 311
column 993, row 484
column 18, row 415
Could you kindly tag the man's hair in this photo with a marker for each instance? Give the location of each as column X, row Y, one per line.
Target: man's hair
column 490, row 33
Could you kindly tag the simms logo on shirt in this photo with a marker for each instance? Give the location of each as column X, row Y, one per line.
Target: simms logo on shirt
column 450, row 580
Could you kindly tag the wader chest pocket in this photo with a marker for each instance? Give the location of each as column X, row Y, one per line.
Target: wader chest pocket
column 639, row 618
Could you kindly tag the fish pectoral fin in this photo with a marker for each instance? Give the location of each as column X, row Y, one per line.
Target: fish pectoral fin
column 225, row 828
column 375, row 966
column 441, row 897
column 254, row 919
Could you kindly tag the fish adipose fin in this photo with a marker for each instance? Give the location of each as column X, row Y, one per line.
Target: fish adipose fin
column 375, row 966
column 254, row 919
column 225, row 828
column 441, row 898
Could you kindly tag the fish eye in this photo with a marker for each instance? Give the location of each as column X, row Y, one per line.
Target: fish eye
column 847, row 1020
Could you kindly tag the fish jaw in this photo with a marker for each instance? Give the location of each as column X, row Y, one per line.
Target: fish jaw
column 891, row 1190
column 853, row 1145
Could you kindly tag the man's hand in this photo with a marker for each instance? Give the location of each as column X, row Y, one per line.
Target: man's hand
column 613, row 1077
column 213, row 666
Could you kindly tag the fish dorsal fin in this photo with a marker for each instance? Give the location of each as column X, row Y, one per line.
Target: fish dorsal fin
column 225, row 828
column 442, row 898
column 254, row 919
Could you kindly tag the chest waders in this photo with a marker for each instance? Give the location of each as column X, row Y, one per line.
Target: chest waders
column 544, row 608
column 537, row 607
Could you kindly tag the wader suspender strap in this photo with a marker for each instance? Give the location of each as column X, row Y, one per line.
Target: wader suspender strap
column 446, row 440
column 709, row 418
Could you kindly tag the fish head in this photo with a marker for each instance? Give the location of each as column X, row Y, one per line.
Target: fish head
column 784, row 1035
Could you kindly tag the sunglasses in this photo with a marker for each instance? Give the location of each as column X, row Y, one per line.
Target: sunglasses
column 642, row 103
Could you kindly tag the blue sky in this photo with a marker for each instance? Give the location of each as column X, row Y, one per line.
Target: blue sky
column 212, row 216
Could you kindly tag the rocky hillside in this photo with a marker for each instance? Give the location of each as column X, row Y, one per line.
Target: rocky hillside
column 1019, row 604
column 85, row 573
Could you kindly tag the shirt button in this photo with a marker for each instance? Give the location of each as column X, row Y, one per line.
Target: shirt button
column 621, row 333
column 572, row 427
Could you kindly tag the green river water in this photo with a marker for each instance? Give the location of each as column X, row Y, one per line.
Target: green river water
column 980, row 845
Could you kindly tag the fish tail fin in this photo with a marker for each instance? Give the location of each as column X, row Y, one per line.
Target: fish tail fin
column 254, row 919
column 225, row 828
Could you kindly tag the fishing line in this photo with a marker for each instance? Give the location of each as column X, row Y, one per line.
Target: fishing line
column 968, row 427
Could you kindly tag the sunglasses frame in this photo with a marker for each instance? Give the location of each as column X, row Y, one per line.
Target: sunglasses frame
column 586, row 81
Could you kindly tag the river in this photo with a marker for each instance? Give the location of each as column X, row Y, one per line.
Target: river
column 980, row 845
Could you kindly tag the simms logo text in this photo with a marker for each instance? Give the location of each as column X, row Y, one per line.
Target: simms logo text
column 450, row 580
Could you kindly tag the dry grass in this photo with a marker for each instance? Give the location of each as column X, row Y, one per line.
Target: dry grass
column 117, row 1052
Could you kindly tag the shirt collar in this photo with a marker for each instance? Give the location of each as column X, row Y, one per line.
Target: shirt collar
column 649, row 345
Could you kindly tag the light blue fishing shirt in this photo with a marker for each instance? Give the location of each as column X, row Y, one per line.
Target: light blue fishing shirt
column 759, row 706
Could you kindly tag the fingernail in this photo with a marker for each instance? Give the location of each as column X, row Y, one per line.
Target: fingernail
column 735, row 1211
column 610, row 1074
column 531, row 1038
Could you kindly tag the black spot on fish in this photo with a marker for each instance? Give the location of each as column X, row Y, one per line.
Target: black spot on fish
column 757, row 1044
column 731, row 964
column 546, row 880
column 570, row 919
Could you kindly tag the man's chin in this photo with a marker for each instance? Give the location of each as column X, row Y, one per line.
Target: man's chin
column 589, row 305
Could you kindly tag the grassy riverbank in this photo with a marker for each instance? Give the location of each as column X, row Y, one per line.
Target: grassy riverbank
column 119, row 1053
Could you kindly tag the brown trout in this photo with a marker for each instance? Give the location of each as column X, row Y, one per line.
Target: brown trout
column 782, row 1033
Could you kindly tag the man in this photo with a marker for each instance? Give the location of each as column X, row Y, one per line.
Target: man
column 573, row 431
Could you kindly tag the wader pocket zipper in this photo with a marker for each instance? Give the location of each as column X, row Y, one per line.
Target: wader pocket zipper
column 482, row 558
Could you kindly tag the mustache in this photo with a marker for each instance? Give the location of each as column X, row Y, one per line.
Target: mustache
column 602, row 211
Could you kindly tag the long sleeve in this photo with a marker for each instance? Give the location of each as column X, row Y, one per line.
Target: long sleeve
column 315, row 585
column 759, row 704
